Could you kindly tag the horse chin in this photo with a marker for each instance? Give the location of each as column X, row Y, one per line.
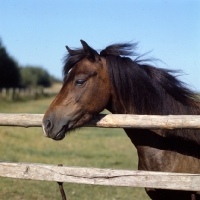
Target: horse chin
column 71, row 126
column 61, row 134
column 81, row 121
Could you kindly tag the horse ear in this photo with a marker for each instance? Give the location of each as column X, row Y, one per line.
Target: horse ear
column 90, row 52
column 69, row 50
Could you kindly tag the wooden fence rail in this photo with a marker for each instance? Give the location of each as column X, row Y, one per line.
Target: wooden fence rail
column 112, row 121
column 95, row 176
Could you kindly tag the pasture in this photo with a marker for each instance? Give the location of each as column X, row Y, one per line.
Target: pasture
column 87, row 147
column 24, row 94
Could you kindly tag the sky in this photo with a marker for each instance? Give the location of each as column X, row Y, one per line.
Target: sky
column 35, row 32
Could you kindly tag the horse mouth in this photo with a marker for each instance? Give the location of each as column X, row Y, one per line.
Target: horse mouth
column 65, row 129
column 61, row 134
column 71, row 126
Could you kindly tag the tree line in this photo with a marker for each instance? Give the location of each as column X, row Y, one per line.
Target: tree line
column 14, row 76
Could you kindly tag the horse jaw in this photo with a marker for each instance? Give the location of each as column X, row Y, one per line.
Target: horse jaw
column 56, row 123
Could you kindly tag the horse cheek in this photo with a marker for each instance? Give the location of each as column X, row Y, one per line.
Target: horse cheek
column 100, row 99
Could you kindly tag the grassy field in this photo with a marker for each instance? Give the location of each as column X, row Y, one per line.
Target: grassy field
column 87, row 147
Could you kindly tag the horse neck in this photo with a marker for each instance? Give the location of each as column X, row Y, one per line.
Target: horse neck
column 166, row 106
column 148, row 90
column 116, row 105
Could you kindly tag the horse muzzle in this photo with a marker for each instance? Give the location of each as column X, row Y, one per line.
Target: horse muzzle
column 55, row 126
column 56, row 123
column 48, row 129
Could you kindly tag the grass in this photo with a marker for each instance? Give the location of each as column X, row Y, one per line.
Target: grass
column 87, row 147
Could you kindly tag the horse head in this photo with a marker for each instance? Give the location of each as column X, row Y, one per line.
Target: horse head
column 85, row 92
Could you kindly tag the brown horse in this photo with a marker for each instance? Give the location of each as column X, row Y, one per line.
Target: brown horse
column 112, row 80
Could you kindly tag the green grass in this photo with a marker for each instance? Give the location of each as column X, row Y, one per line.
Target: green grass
column 86, row 147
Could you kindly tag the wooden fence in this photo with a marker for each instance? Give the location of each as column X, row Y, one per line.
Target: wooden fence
column 20, row 93
column 95, row 176
column 28, row 93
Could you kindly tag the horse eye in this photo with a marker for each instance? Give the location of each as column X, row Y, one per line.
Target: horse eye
column 79, row 82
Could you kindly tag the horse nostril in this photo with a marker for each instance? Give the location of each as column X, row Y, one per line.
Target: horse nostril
column 48, row 125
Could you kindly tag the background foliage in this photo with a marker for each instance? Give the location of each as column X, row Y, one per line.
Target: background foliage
column 12, row 75
column 34, row 76
column 9, row 71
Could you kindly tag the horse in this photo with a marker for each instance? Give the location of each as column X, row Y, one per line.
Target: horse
column 116, row 79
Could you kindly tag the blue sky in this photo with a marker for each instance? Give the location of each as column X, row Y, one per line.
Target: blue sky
column 35, row 32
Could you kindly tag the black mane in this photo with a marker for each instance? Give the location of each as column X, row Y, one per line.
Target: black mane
column 142, row 87
column 148, row 89
column 72, row 58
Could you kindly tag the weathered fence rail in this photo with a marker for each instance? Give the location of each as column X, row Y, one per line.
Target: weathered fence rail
column 95, row 176
column 112, row 121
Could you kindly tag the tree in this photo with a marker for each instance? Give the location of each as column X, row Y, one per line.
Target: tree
column 34, row 76
column 9, row 72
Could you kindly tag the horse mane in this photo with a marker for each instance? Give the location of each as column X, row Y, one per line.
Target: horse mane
column 146, row 89
column 143, row 89
column 72, row 58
